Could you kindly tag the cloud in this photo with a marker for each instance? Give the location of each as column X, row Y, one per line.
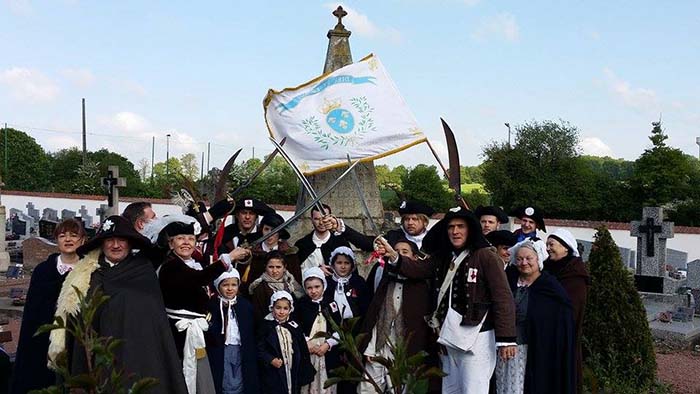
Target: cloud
column 360, row 24
column 19, row 7
column 502, row 26
column 594, row 146
column 29, row 85
column 636, row 98
column 134, row 88
column 81, row 77
column 128, row 123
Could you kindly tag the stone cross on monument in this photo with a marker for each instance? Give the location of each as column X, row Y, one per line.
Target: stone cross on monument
column 651, row 233
column 344, row 200
column 112, row 182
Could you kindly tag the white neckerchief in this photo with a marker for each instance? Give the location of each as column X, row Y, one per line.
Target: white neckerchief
column 192, row 263
column 341, row 297
column 233, row 334
column 315, row 259
column 61, row 267
column 416, row 239
column 111, row 264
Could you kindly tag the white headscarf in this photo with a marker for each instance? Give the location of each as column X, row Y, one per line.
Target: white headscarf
column 227, row 275
column 565, row 235
column 314, row 272
column 539, row 247
column 345, row 251
column 281, row 294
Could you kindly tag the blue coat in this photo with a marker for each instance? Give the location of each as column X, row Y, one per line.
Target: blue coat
column 215, row 345
column 274, row 380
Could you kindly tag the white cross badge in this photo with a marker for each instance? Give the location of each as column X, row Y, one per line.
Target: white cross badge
column 248, row 203
column 403, row 205
column 107, row 225
column 471, row 276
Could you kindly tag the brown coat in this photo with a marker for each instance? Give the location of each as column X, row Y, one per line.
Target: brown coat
column 472, row 299
column 416, row 305
column 573, row 276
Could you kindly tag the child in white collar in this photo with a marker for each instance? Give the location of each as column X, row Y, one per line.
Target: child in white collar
column 231, row 338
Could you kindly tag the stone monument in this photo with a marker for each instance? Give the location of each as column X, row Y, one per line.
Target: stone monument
column 344, row 200
column 651, row 233
column 112, row 182
column 4, row 256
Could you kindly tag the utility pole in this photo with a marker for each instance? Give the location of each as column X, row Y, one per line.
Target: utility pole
column 253, row 152
column 84, row 136
column 208, row 155
column 7, row 173
column 153, row 155
column 201, row 172
column 167, row 157
column 508, row 126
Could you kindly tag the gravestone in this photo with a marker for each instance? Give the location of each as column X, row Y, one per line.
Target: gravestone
column 626, row 254
column 101, row 212
column 33, row 212
column 112, row 182
column 676, row 258
column 651, row 233
column 46, row 229
column 50, row 214
column 85, row 216
column 19, row 226
column 694, row 274
column 67, row 214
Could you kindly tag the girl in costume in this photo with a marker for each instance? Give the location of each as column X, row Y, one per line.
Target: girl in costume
column 276, row 277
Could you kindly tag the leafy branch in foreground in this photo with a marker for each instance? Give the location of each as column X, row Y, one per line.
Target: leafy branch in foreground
column 408, row 373
column 101, row 375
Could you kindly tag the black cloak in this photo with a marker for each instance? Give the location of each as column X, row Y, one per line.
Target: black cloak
column 135, row 314
column 31, row 371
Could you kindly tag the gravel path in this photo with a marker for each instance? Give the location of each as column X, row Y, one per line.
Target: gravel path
column 681, row 369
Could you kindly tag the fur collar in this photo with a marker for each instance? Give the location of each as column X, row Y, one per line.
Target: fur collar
column 68, row 303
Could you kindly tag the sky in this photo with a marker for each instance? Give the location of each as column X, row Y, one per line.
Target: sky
column 199, row 70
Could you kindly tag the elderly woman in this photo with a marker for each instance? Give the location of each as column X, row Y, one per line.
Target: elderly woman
column 545, row 329
column 183, row 282
column 565, row 264
column 31, row 371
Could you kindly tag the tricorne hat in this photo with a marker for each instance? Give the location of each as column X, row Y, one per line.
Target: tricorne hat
column 437, row 241
column 253, row 204
column 502, row 237
column 408, row 207
column 115, row 226
column 493, row 211
column 533, row 213
column 273, row 220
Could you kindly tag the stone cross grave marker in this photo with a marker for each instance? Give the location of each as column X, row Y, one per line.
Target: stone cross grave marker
column 85, row 216
column 101, row 212
column 651, row 233
column 112, row 182
column 50, row 214
column 67, row 214
column 33, row 212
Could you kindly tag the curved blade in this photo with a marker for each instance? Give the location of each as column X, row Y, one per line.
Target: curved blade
column 221, row 184
column 454, row 179
column 259, row 170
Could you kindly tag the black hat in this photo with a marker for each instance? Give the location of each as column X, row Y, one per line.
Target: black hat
column 502, row 237
column 411, row 244
column 415, row 207
column 273, row 220
column 255, row 205
column 437, row 242
column 493, row 211
column 115, row 227
column 532, row 213
column 178, row 228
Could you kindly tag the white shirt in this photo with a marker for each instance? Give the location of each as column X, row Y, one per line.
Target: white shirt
column 233, row 333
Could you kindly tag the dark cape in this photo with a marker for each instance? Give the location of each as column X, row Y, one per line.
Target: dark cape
column 305, row 313
column 550, row 332
column 135, row 314
column 31, row 371
column 573, row 276
column 216, row 344
column 356, row 292
column 274, row 380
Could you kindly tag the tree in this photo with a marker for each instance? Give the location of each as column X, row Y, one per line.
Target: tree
column 276, row 184
column 422, row 183
column 190, row 169
column 87, row 179
column 662, row 174
column 616, row 335
column 27, row 163
column 106, row 158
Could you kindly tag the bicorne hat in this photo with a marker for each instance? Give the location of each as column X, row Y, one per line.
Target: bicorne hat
column 415, row 207
column 436, row 240
column 532, row 213
column 115, row 227
column 273, row 220
column 493, row 211
column 502, row 237
column 253, row 204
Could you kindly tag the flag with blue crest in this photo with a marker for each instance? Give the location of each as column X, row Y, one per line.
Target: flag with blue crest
column 354, row 110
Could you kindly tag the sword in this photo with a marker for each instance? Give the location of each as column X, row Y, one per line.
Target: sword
column 304, row 182
column 361, row 194
column 223, row 177
column 259, row 170
column 454, row 176
column 306, row 208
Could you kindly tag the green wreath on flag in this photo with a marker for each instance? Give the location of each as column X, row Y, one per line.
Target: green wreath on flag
column 337, row 136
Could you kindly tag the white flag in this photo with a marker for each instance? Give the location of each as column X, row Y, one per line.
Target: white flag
column 354, row 110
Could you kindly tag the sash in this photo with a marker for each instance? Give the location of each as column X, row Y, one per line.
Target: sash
column 195, row 324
